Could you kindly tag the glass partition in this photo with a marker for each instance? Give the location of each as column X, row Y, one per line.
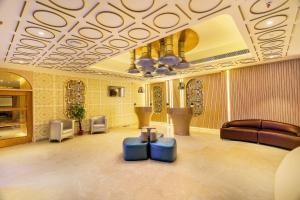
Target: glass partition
column 15, row 109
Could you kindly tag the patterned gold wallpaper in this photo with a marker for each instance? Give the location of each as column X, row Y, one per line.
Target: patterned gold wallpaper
column 48, row 100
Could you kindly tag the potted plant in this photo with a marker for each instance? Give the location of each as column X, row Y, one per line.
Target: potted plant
column 78, row 113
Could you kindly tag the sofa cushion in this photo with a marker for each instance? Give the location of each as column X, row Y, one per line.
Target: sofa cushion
column 278, row 132
column 242, row 134
column 251, row 123
column 277, row 138
column 273, row 125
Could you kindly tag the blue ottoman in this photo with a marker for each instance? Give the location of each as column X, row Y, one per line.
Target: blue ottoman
column 134, row 149
column 164, row 149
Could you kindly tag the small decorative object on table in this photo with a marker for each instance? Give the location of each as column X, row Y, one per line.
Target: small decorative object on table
column 78, row 113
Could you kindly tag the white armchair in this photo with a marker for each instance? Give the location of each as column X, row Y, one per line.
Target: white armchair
column 98, row 124
column 61, row 129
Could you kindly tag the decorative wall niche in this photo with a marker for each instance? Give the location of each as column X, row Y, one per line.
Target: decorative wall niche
column 157, row 99
column 74, row 94
column 194, row 96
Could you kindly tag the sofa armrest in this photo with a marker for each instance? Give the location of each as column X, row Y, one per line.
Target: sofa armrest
column 225, row 125
column 56, row 129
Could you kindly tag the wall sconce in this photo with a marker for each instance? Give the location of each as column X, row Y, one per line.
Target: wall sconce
column 141, row 90
column 181, row 86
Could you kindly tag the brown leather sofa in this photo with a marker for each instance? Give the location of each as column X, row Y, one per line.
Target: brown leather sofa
column 262, row 131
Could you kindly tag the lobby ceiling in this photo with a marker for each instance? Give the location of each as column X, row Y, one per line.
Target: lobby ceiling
column 94, row 37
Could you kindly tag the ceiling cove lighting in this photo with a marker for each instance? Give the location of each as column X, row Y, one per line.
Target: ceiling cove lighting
column 159, row 58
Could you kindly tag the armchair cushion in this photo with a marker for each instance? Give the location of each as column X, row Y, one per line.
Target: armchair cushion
column 98, row 124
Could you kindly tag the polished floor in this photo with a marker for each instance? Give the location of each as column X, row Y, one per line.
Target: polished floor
column 91, row 167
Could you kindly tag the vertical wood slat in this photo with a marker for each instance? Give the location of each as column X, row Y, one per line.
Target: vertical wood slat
column 270, row 91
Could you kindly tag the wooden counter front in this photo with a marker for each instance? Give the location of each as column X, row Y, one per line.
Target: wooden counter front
column 181, row 118
column 144, row 115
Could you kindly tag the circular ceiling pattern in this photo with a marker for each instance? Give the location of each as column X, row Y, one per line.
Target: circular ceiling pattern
column 49, row 18
column 39, row 32
column 77, row 43
column 19, row 61
column 139, row 33
column 272, row 44
column 50, row 61
column 247, row 60
column 23, row 56
column 268, row 52
column 28, row 51
column 259, row 7
column 270, row 22
column 33, row 43
column 80, row 62
column 103, row 50
column 119, row 43
column 137, row 6
column 90, row 33
column 91, row 56
column 166, row 20
column 271, row 34
column 65, row 4
column 110, row 19
column 272, row 56
column 57, row 57
column 66, row 50
column 203, row 6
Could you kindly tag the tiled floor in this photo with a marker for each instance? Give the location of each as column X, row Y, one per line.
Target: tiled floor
column 91, row 167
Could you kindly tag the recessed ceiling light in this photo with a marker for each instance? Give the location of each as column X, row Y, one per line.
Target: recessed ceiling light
column 270, row 22
column 41, row 33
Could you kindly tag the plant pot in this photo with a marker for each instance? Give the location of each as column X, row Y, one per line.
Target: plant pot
column 80, row 132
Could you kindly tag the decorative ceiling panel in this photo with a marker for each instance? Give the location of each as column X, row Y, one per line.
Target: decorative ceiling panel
column 73, row 35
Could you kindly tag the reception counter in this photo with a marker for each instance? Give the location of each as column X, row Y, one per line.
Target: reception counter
column 181, row 118
column 144, row 115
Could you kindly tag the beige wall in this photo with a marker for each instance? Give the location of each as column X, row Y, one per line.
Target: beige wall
column 48, row 100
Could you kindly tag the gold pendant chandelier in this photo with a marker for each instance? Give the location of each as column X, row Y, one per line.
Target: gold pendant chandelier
column 168, row 53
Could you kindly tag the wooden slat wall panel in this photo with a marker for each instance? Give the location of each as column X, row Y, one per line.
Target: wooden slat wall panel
column 215, row 101
column 176, row 94
column 270, row 91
